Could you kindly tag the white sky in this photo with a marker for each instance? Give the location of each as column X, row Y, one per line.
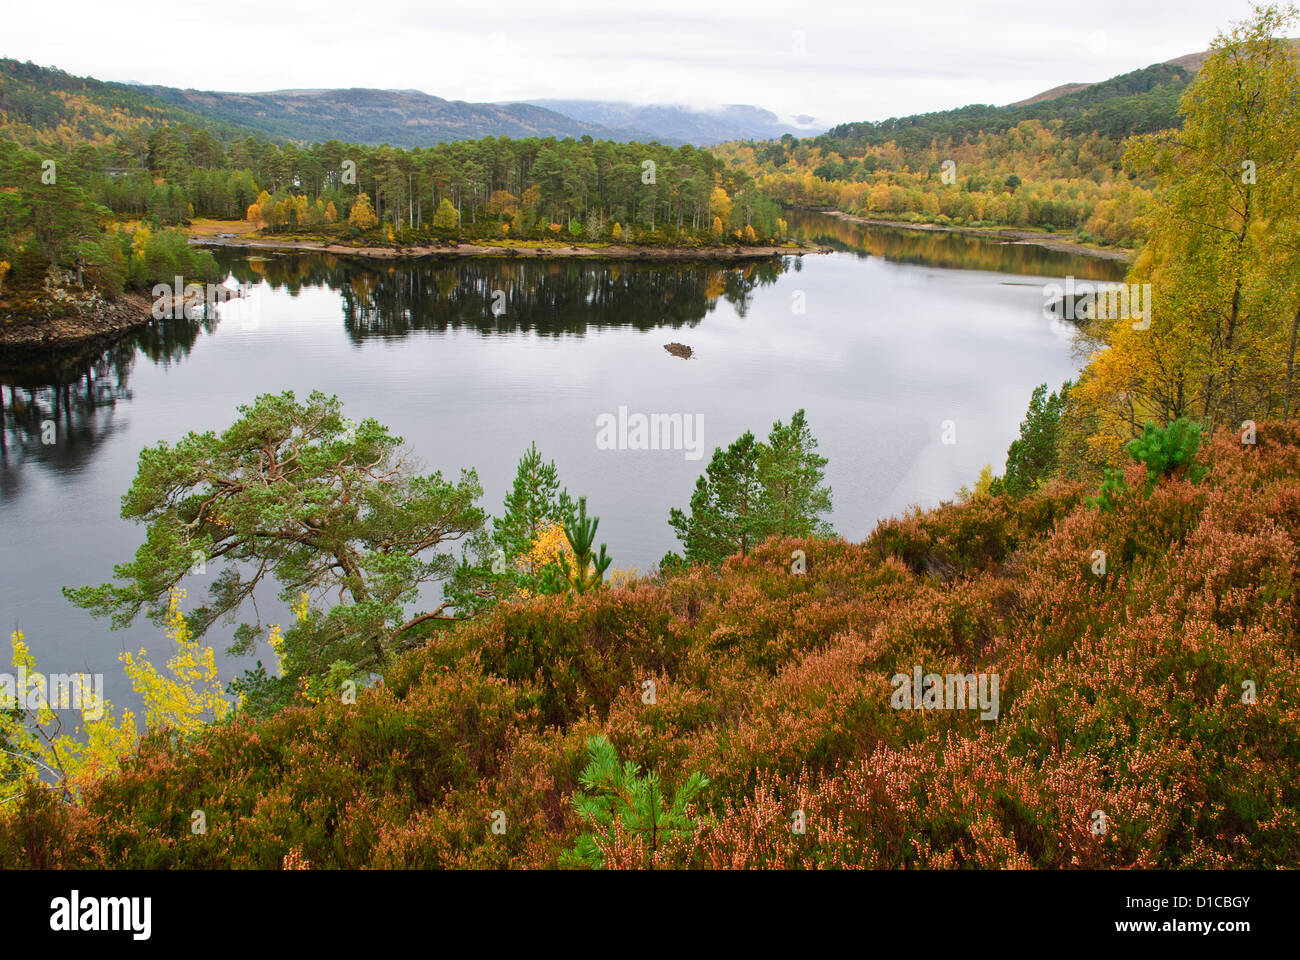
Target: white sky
column 864, row 60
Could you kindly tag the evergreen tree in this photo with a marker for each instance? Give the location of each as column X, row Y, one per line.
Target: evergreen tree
column 534, row 502
column 792, row 472
column 293, row 492
column 755, row 490
column 614, row 792
column 506, row 562
column 586, row 572
column 725, row 510
column 1033, row 458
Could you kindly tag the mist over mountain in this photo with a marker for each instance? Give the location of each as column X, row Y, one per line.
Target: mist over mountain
column 683, row 124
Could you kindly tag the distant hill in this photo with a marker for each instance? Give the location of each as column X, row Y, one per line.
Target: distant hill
column 1052, row 94
column 402, row 118
column 1141, row 101
column 682, row 124
column 40, row 105
column 1190, row 62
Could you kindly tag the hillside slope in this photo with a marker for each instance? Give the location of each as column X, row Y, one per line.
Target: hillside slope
column 400, row 118
column 1121, row 705
column 1142, row 101
column 45, row 106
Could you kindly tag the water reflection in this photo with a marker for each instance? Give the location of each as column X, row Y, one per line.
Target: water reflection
column 75, row 392
column 391, row 300
column 56, row 411
column 955, row 251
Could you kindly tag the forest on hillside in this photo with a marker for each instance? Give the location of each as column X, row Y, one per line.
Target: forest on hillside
column 1055, row 164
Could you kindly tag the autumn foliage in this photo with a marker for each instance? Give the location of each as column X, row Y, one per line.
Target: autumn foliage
column 1161, row 692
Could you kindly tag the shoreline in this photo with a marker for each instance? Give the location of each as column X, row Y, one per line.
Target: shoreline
column 26, row 338
column 86, row 326
column 521, row 252
column 1007, row 234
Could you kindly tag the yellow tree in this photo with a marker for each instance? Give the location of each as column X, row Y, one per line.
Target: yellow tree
column 1223, row 260
column 363, row 214
column 35, row 748
column 720, row 204
column 255, row 209
column 446, row 217
column 192, row 695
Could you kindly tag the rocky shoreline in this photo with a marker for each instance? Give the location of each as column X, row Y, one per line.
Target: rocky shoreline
column 83, row 324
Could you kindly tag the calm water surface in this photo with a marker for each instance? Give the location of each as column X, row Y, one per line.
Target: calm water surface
column 899, row 332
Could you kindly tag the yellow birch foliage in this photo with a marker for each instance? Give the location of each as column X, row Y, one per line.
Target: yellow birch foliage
column 549, row 546
column 1223, row 262
column 192, row 695
column 363, row 214
column 37, row 749
column 720, row 204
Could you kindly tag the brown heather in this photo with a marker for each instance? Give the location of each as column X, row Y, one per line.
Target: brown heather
column 1119, row 693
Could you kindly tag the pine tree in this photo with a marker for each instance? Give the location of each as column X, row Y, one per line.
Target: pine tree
column 586, row 571
column 725, row 509
column 535, row 502
column 792, row 472
column 1033, row 457
column 614, row 792
column 755, row 490
column 1163, row 451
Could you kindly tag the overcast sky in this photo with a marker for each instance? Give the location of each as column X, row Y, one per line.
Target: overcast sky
column 835, row 61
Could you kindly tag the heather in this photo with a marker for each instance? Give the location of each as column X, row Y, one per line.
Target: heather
column 1146, row 651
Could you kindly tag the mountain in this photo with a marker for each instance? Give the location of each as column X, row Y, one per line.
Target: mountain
column 682, row 124
column 1141, row 101
column 402, row 118
column 1052, row 94
column 44, row 105
column 1190, row 62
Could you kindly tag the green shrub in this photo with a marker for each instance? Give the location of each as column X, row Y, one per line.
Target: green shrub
column 622, row 803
